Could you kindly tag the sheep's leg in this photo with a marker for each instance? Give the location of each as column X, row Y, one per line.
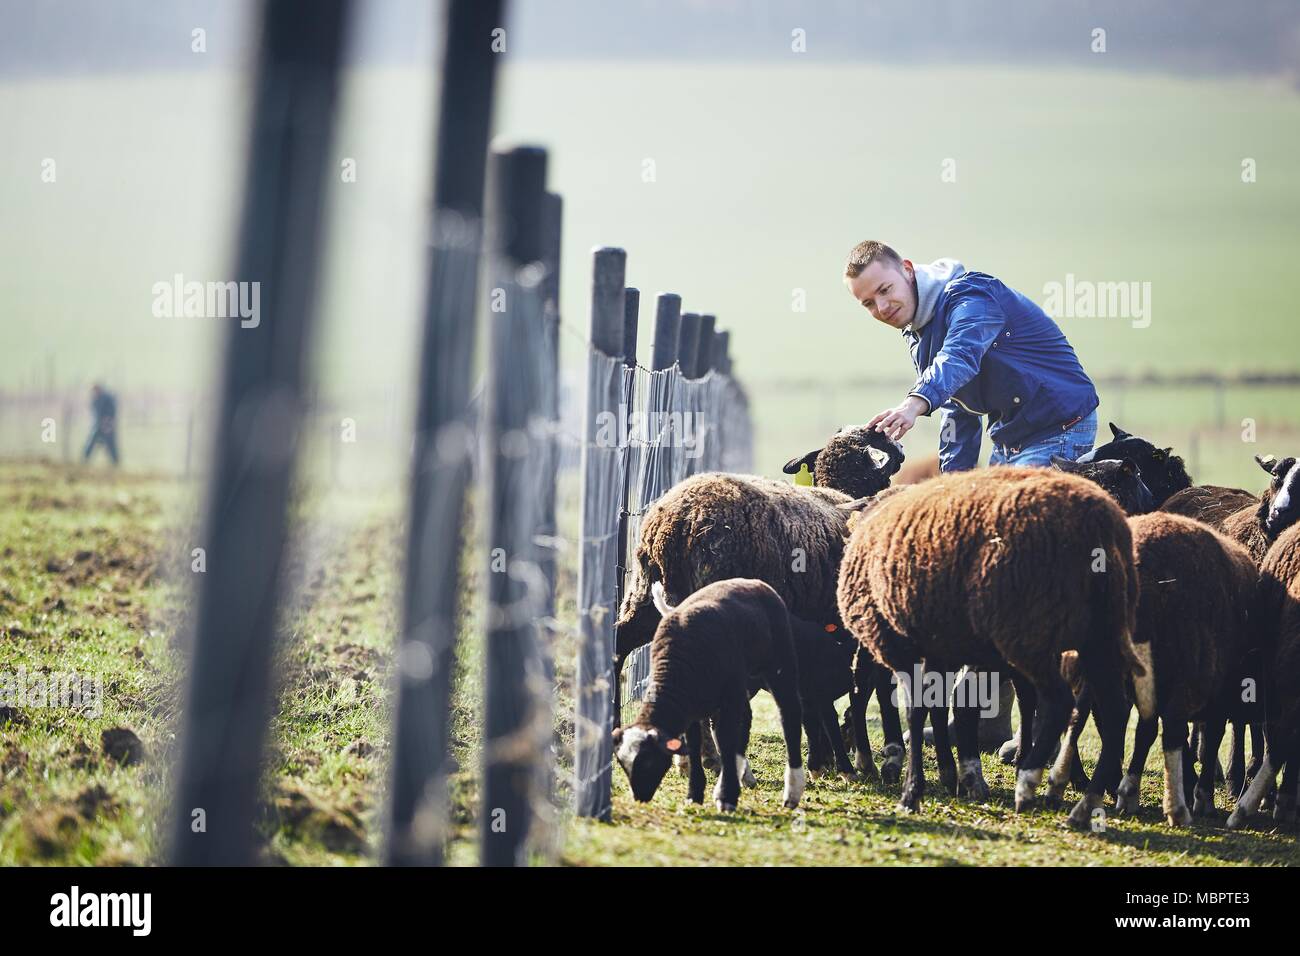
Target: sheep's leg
column 1083, row 710
column 967, row 728
column 785, row 691
column 1250, row 800
column 1212, row 730
column 914, row 786
column 942, row 747
column 1174, row 740
column 695, row 784
column 891, row 768
column 1026, row 703
column 1064, row 769
column 1057, row 705
column 1110, row 712
column 857, row 717
column 816, row 744
column 1236, row 776
column 729, row 728
column 1128, row 799
column 830, row 725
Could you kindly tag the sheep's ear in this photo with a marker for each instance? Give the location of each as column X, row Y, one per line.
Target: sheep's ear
column 1064, row 464
column 810, row 459
column 1118, row 432
column 1268, row 463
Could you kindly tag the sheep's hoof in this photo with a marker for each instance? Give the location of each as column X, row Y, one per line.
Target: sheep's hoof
column 1007, row 752
column 1126, row 798
column 747, row 779
column 1181, row 817
column 1203, row 804
column 814, row 775
column 1236, row 819
column 725, row 807
column 1052, row 801
column 866, row 770
column 910, row 802
column 973, row 787
column 905, row 810
column 890, row 773
column 1081, row 817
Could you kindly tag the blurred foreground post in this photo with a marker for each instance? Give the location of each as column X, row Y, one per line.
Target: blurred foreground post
column 229, row 680
column 515, row 726
column 444, row 441
column 601, row 487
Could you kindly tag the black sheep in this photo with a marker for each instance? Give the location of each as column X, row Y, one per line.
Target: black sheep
column 1122, row 480
column 705, row 655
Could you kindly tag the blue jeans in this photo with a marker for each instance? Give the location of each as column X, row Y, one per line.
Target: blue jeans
column 1074, row 441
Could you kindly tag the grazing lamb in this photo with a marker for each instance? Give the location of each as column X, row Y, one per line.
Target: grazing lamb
column 1122, row 480
column 1006, row 568
column 1276, row 625
column 1195, row 591
column 706, row 653
column 716, row 526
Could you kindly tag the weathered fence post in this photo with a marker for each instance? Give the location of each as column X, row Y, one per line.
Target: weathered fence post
column 704, row 350
column 444, row 441
column 512, row 658
column 688, row 343
column 722, row 352
column 548, row 543
column 601, row 458
column 668, row 323
column 229, row 679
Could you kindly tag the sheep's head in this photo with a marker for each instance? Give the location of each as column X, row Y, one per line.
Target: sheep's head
column 857, row 461
column 645, row 755
column 1280, row 506
column 1122, row 480
column 1162, row 470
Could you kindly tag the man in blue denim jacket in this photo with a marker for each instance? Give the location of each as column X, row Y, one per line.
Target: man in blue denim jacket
column 980, row 348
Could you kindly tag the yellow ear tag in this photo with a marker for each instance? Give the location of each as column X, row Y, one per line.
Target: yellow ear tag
column 804, row 477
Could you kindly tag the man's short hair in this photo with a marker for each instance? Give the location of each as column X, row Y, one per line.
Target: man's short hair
column 865, row 253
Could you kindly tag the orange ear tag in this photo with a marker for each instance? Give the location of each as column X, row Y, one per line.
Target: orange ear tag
column 831, row 628
column 674, row 744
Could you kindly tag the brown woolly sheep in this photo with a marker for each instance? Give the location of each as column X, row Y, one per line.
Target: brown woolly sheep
column 1276, row 625
column 1195, row 591
column 716, row 526
column 706, row 655
column 1005, row 568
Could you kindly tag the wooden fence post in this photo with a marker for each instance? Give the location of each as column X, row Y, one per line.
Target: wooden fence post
column 229, row 683
column 688, row 343
column 511, row 754
column 600, row 464
column 444, row 447
column 668, row 324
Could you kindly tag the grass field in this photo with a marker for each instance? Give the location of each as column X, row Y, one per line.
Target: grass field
column 94, row 569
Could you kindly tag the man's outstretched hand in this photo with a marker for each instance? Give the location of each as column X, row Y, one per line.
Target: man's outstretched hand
column 897, row 422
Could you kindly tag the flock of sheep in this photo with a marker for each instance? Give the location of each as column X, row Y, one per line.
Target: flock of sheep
column 1094, row 585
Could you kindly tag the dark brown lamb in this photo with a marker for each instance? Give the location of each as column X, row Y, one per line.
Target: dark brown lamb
column 1005, row 568
column 1196, row 588
column 1276, row 625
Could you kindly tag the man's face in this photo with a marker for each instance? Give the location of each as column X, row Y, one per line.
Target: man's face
column 887, row 292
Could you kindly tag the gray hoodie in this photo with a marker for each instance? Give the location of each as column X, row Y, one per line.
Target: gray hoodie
column 930, row 281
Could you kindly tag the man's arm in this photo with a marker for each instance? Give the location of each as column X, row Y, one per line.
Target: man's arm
column 973, row 327
column 975, row 323
column 959, row 438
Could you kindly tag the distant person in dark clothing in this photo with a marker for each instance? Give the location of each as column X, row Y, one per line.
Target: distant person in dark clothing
column 103, row 405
